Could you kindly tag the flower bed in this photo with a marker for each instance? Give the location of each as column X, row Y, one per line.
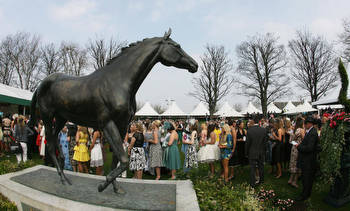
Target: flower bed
column 6, row 166
column 213, row 194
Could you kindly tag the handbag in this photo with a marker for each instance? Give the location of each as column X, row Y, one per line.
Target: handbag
column 15, row 146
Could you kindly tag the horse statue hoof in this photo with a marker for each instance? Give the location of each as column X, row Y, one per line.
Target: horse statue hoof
column 101, row 187
column 119, row 191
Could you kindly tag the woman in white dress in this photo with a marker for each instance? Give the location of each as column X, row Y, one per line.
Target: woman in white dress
column 210, row 151
column 43, row 144
column 96, row 152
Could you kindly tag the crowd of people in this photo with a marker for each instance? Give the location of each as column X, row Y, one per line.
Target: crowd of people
column 286, row 145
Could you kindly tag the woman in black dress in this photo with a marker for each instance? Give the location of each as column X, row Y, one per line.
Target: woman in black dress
column 287, row 145
column 278, row 135
column 241, row 137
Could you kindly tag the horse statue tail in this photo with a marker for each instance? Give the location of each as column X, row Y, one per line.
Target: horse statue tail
column 33, row 118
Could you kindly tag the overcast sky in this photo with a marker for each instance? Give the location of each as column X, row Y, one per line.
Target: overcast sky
column 194, row 24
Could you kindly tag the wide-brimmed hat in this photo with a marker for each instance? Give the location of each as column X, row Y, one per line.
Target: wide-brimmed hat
column 310, row 119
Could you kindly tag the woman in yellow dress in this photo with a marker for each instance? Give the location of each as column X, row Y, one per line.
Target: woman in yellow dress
column 81, row 153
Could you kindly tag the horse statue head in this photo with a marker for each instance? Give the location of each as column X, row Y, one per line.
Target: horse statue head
column 171, row 54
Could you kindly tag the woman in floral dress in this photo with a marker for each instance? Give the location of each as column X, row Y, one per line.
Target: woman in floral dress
column 298, row 136
column 191, row 158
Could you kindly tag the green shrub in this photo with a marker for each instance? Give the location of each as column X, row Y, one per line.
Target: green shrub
column 7, row 166
column 5, row 204
column 215, row 195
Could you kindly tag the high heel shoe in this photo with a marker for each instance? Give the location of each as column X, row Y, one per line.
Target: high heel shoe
column 294, row 185
column 279, row 176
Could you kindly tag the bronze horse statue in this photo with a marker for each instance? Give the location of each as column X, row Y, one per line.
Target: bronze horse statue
column 105, row 99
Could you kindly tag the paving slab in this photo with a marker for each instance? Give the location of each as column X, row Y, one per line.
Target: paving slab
column 39, row 188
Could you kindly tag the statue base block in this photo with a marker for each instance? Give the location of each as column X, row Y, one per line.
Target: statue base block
column 337, row 202
column 39, row 188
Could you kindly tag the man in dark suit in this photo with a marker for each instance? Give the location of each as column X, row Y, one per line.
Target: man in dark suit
column 255, row 150
column 307, row 158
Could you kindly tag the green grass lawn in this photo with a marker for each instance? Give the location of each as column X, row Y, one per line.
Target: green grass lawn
column 199, row 177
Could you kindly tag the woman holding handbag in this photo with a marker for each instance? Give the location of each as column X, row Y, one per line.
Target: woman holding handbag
column 21, row 134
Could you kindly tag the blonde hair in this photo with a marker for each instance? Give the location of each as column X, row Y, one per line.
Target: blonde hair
column 227, row 130
column 156, row 123
column 139, row 127
column 204, row 126
column 83, row 129
column 20, row 121
column 278, row 124
column 288, row 124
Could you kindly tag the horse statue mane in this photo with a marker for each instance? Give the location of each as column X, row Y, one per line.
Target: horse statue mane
column 135, row 44
column 124, row 50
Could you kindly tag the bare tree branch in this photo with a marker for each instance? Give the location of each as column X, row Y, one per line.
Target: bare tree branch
column 215, row 80
column 158, row 108
column 51, row 61
column 101, row 50
column 344, row 38
column 74, row 59
column 261, row 65
column 6, row 65
column 314, row 64
column 25, row 54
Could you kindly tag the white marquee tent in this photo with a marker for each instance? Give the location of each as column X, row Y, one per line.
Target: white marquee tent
column 146, row 110
column 200, row 110
column 250, row 109
column 272, row 108
column 173, row 110
column 289, row 107
column 227, row 111
column 302, row 108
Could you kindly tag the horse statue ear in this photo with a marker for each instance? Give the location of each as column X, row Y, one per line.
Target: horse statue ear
column 167, row 34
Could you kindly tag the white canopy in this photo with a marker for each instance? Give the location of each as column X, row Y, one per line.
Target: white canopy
column 173, row 110
column 251, row 109
column 13, row 95
column 302, row 108
column 146, row 110
column 333, row 106
column 227, row 111
column 272, row 108
column 327, row 101
column 200, row 110
column 290, row 106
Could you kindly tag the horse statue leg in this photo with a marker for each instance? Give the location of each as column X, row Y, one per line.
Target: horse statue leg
column 59, row 124
column 113, row 136
column 116, row 188
column 52, row 144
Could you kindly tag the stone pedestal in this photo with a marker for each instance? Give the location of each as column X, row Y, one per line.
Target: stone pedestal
column 39, row 188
